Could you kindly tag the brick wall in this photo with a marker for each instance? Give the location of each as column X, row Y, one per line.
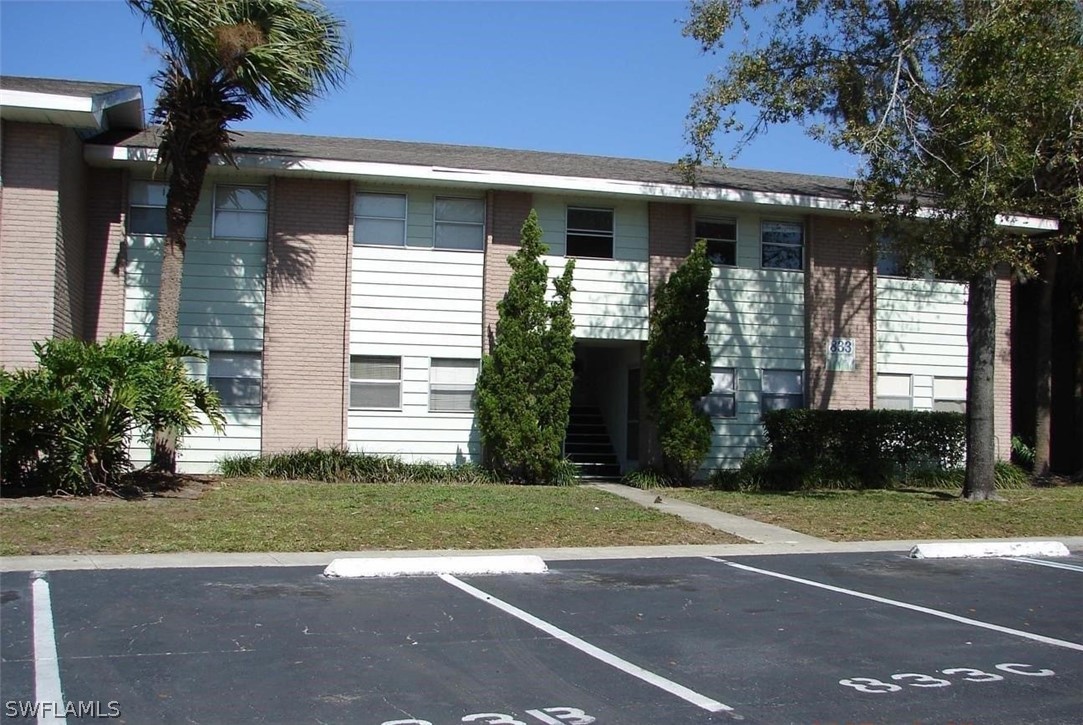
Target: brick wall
column 1002, row 372
column 670, row 240
column 107, row 197
column 839, row 294
column 28, row 238
column 505, row 213
column 306, row 315
column 69, row 283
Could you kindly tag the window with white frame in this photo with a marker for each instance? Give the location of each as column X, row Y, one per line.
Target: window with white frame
column 451, row 385
column 240, row 212
column 380, row 219
column 721, row 237
column 949, row 394
column 782, row 389
column 146, row 207
column 589, row 233
column 894, row 392
column 459, row 223
column 237, row 377
column 722, row 401
column 375, row 382
column 782, row 245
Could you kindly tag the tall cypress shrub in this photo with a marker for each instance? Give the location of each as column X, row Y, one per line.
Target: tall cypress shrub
column 524, row 389
column 677, row 365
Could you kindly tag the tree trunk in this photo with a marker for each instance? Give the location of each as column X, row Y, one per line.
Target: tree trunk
column 981, row 342
column 1043, row 352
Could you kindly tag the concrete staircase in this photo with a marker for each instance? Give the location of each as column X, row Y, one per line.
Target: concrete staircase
column 587, row 445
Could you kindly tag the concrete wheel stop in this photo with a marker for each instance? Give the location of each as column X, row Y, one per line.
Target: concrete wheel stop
column 360, row 567
column 987, row 549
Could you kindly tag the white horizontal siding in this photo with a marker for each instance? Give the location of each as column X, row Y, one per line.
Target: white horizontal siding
column 223, row 289
column 415, row 302
column 756, row 321
column 921, row 331
column 630, row 226
column 609, row 297
column 413, row 433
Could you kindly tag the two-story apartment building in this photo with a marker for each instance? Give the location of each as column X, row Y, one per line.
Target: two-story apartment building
column 344, row 290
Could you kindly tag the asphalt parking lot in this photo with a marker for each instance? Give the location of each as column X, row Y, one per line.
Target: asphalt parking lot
column 809, row 638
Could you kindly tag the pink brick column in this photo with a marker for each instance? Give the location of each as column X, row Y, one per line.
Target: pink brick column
column 1002, row 372
column 839, row 302
column 670, row 240
column 70, row 281
column 306, row 315
column 107, row 199
column 30, row 167
column 505, row 213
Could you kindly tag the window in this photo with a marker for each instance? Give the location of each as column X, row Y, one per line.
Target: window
column 375, row 382
column 722, row 402
column 146, row 207
column 782, row 389
column 237, row 376
column 590, row 233
column 460, row 223
column 894, row 392
column 451, row 385
column 721, row 237
column 782, row 245
column 949, row 394
column 380, row 219
column 240, row 212
column 889, row 261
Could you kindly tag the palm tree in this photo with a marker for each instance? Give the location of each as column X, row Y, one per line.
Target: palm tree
column 221, row 59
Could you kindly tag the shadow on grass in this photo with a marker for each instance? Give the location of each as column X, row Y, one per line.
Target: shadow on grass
column 837, row 494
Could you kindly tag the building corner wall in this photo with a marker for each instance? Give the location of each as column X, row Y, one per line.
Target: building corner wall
column 839, row 303
column 70, row 280
column 30, row 169
column 1002, row 371
column 305, row 341
column 105, row 259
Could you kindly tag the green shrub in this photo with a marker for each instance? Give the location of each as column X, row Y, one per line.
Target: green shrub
column 342, row 465
column 1022, row 454
column 524, row 388
column 67, row 425
column 649, row 477
column 1006, row 476
column 862, row 448
column 677, row 366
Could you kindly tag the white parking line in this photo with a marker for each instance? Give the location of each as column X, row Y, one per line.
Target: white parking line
column 596, row 652
column 904, row 605
column 1042, row 562
column 46, row 667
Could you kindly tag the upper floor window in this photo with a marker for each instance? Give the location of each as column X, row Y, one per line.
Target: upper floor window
column 380, row 219
column 782, row 245
column 240, row 212
column 590, row 233
column 782, row 389
column 146, row 207
column 459, row 223
column 889, row 260
column 721, row 238
column 236, row 376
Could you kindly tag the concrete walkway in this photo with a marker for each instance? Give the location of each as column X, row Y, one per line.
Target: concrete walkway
column 754, row 531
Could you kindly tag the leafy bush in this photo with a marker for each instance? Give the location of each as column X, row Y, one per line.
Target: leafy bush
column 524, row 389
column 67, row 424
column 1006, row 476
column 862, row 448
column 342, row 465
column 1022, row 454
column 677, row 365
column 649, row 477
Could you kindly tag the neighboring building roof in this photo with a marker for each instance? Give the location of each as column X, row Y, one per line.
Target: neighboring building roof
column 361, row 150
column 75, row 104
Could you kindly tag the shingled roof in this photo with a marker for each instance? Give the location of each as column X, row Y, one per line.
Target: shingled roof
column 497, row 159
column 60, row 87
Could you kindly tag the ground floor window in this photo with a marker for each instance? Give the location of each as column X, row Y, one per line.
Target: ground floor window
column 722, row 401
column 451, row 385
column 237, row 377
column 782, row 389
column 949, row 394
column 375, row 382
column 894, row 392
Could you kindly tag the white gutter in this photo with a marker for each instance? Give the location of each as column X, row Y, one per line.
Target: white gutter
column 516, row 179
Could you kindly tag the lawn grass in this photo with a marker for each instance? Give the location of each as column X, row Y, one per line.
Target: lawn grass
column 239, row 516
column 905, row 513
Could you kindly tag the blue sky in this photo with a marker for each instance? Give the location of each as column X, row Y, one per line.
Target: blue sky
column 605, row 78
